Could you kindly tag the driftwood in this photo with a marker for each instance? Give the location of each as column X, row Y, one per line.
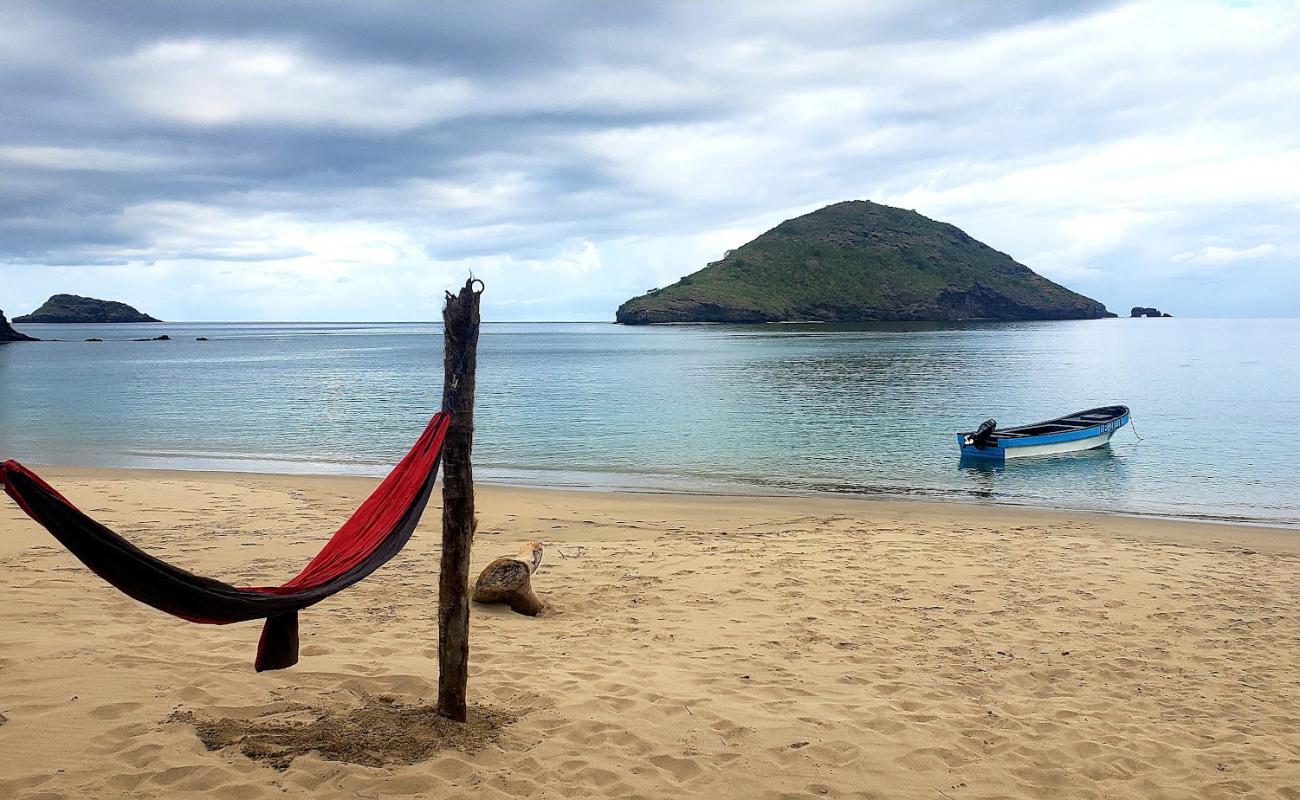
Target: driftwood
column 509, row 579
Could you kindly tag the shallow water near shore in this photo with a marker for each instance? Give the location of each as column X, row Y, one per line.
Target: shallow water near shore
column 864, row 410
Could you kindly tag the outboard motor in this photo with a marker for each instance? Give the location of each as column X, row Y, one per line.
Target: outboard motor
column 980, row 438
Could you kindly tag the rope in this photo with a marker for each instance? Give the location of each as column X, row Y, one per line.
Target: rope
column 1133, row 424
column 457, row 373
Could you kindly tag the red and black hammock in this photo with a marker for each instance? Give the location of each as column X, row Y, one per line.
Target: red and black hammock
column 375, row 532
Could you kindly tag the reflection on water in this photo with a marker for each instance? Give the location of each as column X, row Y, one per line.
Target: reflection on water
column 1099, row 469
column 981, row 474
column 852, row 409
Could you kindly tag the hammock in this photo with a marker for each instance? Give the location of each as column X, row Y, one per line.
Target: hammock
column 375, row 532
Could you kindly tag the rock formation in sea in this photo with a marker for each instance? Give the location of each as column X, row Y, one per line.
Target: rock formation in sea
column 1143, row 311
column 861, row 261
column 8, row 334
column 75, row 309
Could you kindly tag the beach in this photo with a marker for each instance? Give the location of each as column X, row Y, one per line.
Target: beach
column 693, row 646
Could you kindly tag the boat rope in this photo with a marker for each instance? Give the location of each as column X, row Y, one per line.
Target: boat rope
column 1132, row 423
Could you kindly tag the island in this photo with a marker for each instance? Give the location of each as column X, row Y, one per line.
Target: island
column 8, row 334
column 1147, row 311
column 75, row 309
column 859, row 261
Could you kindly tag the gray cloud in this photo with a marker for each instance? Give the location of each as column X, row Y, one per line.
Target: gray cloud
column 582, row 152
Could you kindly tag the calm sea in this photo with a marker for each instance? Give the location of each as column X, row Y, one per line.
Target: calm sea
column 868, row 409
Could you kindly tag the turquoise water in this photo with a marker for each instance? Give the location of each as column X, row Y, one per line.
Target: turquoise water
column 802, row 408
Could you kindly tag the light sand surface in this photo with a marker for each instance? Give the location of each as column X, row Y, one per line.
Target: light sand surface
column 696, row 647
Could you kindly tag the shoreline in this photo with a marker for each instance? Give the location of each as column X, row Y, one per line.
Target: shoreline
column 1276, row 538
column 1282, row 527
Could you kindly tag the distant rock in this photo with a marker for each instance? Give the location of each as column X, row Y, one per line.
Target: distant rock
column 70, row 308
column 201, row 339
column 8, row 334
column 855, row 262
column 94, row 340
column 163, row 338
column 1141, row 311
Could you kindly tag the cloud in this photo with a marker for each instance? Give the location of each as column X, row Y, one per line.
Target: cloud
column 243, row 160
column 1215, row 256
column 88, row 159
column 205, row 83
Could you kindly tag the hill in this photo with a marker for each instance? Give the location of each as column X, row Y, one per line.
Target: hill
column 72, row 308
column 861, row 261
column 8, row 334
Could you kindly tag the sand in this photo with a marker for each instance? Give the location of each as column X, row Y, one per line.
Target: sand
column 694, row 647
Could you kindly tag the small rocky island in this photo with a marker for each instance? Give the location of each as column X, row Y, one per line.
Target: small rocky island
column 8, row 334
column 859, row 261
column 1144, row 311
column 71, row 308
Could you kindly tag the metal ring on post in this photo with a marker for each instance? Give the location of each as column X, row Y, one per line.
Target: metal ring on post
column 482, row 286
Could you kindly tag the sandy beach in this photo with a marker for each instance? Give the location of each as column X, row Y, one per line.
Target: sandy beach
column 693, row 647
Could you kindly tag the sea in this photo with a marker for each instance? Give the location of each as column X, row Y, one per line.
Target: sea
column 858, row 410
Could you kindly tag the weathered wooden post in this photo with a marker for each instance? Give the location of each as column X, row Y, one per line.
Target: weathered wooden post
column 460, row 321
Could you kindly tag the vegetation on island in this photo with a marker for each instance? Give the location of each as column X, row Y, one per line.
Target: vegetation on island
column 75, row 309
column 861, row 261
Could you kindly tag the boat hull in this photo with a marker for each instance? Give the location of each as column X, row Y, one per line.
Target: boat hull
column 1013, row 445
column 1060, row 447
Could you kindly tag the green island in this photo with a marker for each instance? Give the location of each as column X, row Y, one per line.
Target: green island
column 859, row 261
column 71, row 308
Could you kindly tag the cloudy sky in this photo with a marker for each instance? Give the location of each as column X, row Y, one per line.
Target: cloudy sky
column 317, row 161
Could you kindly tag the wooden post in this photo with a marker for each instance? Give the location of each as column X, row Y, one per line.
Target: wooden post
column 460, row 357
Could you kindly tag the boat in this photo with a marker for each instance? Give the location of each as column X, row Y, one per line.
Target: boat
column 1082, row 431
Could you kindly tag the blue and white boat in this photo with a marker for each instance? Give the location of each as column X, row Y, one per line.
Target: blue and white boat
column 1082, row 431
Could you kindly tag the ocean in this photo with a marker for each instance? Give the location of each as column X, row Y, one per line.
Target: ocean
column 805, row 408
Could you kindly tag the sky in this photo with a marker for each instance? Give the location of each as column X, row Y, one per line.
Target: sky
column 245, row 160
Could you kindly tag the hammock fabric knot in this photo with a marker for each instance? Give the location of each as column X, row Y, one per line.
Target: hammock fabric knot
column 376, row 531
